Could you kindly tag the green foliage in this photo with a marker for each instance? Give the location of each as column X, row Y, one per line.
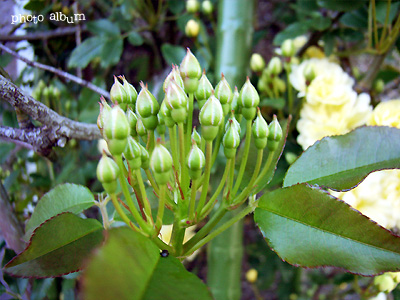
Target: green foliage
column 59, row 246
column 173, row 54
column 341, row 162
column 307, row 227
column 137, row 271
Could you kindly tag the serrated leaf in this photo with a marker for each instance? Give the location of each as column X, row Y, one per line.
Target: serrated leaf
column 251, row 162
column 172, row 54
column 59, row 246
column 111, row 52
column 103, row 27
column 82, row 55
column 308, row 227
column 341, row 162
column 135, row 270
column 63, row 198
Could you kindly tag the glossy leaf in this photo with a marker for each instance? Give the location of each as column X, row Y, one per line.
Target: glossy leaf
column 59, row 246
column 341, row 162
column 341, row 5
column 63, row 198
column 129, row 266
column 103, row 27
column 111, row 52
column 251, row 162
column 86, row 52
column 308, row 227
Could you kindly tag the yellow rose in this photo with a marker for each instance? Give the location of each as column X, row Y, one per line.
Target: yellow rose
column 386, row 114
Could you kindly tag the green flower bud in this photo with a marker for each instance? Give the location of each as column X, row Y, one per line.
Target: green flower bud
column 173, row 75
column 192, row 28
column 196, row 136
column 116, row 130
column 190, row 71
column 204, row 90
column 192, row 6
column 280, row 84
column 177, row 101
column 132, row 120
column 378, row 86
column 257, row 63
column 195, row 161
column 130, row 91
column 288, row 49
column 145, row 157
column 275, row 66
column 235, row 105
column 133, row 154
column 309, row 73
column 161, row 128
column 56, row 93
column 223, row 91
column 118, row 93
column 249, row 100
column 107, row 173
column 207, row 7
column 385, row 283
column 210, row 117
column 105, row 109
column 166, row 113
column 231, row 140
column 141, row 129
column 274, row 135
column 260, row 131
column 235, row 123
column 146, row 104
column 161, row 164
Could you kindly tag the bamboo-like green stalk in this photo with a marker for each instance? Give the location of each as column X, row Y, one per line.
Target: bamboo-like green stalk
column 225, row 252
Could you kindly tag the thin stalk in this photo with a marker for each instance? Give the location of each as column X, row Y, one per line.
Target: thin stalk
column 146, row 203
column 161, row 205
column 189, row 124
column 193, row 199
column 386, row 25
column 218, row 142
column 178, row 235
column 374, row 22
column 289, row 90
column 206, row 178
column 127, row 195
column 174, row 147
column 220, row 229
column 152, row 182
column 244, row 158
column 150, row 140
column 121, row 213
column 207, row 208
column 184, row 172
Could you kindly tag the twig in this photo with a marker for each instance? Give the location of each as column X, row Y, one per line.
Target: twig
column 58, row 72
column 9, row 225
column 55, row 129
column 44, row 35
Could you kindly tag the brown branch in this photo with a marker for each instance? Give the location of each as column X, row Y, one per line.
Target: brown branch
column 58, row 72
column 44, row 35
column 55, row 129
column 9, row 224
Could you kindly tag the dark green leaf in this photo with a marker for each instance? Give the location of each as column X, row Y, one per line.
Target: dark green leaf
column 292, row 31
column 173, row 54
column 103, row 27
column 320, row 23
column 357, row 19
column 111, row 52
column 308, row 227
column 135, row 270
column 176, row 6
column 277, row 103
column 35, row 5
column 85, row 52
column 59, row 246
column 63, row 198
column 329, row 43
column 341, row 5
column 341, row 162
column 135, row 38
column 381, row 8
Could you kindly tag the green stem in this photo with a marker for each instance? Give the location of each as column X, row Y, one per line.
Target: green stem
column 121, row 213
column 146, row 203
column 178, row 235
column 174, row 147
column 206, row 178
column 218, row 142
column 244, row 158
column 193, row 199
column 289, row 90
column 374, row 22
column 207, row 208
column 150, row 140
column 162, row 245
column 152, row 182
column 189, row 124
column 220, row 229
column 385, row 27
column 161, row 205
column 184, row 172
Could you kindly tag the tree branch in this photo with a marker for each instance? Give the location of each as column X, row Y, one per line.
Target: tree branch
column 58, row 72
column 44, row 35
column 55, row 129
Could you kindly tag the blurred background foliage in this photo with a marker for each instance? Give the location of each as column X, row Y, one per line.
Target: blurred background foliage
column 141, row 39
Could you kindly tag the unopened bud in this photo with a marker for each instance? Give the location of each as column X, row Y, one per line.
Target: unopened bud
column 105, row 109
column 274, row 66
column 260, row 131
column 166, row 113
column 235, row 123
column 141, row 129
column 177, row 102
column 132, row 120
column 147, row 108
column 207, row 7
column 251, row 275
column 161, row 128
column 145, row 157
column 192, row 28
column 107, row 173
column 309, row 73
column 274, row 135
column 196, row 136
column 257, row 63
column 116, row 130
column 288, row 49
column 249, row 100
column 161, row 164
column 210, row 117
column 385, row 283
column 190, row 71
column 118, row 93
column 195, row 161
column 204, row 90
column 231, row 140
column 130, row 91
column 378, row 86
column 192, row 6
column 173, row 75
column 133, row 153
column 235, row 104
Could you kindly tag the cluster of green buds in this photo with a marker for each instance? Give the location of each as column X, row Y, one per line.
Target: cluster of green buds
column 156, row 140
column 270, row 84
column 48, row 94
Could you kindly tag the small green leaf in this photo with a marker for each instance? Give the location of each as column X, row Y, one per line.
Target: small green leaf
column 381, row 8
column 320, row 23
column 135, row 38
column 86, row 52
column 293, row 30
column 135, row 270
column 357, row 19
column 341, row 5
column 307, row 227
column 173, row 54
column 63, row 198
column 111, row 52
column 59, row 246
column 341, row 162
column 103, row 27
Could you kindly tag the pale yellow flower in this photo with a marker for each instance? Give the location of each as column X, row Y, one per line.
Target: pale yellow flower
column 386, row 114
